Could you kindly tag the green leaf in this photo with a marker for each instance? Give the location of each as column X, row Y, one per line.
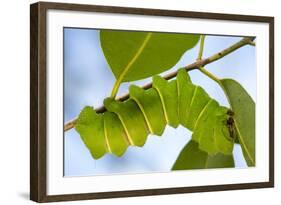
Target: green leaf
column 191, row 157
column 134, row 55
column 243, row 107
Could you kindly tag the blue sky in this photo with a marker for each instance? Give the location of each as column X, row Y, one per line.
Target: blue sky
column 88, row 80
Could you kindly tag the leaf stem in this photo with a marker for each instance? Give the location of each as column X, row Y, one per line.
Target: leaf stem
column 217, row 80
column 202, row 41
column 219, row 55
column 210, row 75
column 195, row 65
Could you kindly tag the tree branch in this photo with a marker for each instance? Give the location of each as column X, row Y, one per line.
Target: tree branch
column 199, row 63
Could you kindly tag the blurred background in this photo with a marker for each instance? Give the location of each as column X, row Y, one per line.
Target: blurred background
column 88, row 80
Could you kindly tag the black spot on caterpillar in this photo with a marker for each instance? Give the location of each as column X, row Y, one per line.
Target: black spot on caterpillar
column 230, row 124
column 149, row 111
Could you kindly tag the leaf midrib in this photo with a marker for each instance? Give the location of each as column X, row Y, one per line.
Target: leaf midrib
column 243, row 143
column 130, row 63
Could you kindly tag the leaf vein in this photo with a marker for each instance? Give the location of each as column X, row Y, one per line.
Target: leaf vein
column 243, row 143
column 131, row 62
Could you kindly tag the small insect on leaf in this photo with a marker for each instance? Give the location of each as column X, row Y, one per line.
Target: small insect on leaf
column 230, row 124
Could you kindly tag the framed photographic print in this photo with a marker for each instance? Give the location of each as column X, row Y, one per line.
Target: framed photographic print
column 133, row 102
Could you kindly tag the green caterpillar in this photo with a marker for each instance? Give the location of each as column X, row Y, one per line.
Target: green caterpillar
column 149, row 111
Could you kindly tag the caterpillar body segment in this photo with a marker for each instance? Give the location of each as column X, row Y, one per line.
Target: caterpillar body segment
column 208, row 133
column 185, row 90
column 167, row 92
column 131, row 118
column 151, row 106
column 199, row 101
column 222, row 132
column 90, row 126
column 149, row 111
column 115, row 135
